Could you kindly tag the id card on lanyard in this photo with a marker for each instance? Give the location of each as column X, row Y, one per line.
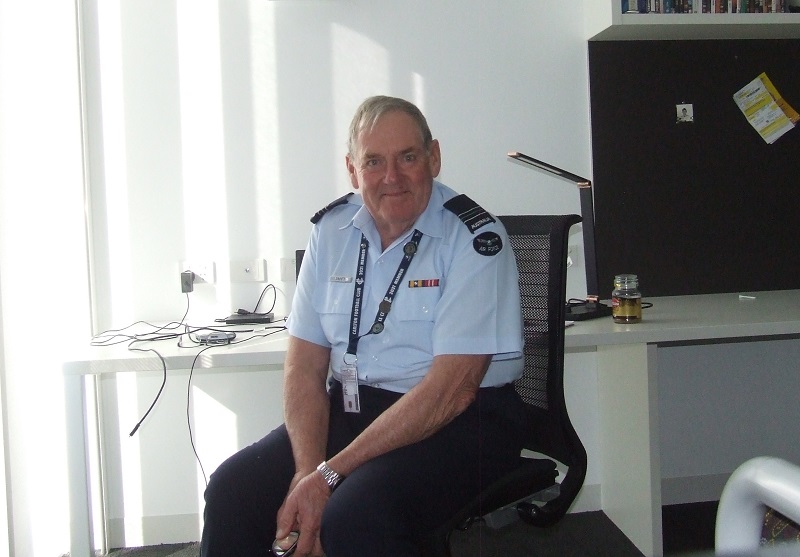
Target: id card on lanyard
column 350, row 388
column 349, row 370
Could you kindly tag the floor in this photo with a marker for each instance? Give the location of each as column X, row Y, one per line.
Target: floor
column 688, row 530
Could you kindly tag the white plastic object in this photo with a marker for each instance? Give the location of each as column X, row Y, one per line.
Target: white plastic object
column 759, row 483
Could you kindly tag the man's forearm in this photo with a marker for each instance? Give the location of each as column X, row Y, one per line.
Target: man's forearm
column 447, row 390
column 306, row 403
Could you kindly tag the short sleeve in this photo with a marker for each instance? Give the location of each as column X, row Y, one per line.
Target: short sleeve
column 479, row 312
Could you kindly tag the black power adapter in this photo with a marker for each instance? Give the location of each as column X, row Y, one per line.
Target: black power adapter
column 187, row 281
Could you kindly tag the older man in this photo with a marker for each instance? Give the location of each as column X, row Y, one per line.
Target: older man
column 405, row 338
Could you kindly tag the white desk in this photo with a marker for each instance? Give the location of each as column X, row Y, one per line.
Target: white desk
column 259, row 354
column 627, row 364
column 627, row 368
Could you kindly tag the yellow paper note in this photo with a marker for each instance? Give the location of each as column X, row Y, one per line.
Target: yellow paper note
column 759, row 102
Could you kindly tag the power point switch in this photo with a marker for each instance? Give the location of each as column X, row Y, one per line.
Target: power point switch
column 187, row 281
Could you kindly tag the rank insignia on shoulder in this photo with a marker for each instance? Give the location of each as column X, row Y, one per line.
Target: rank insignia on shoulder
column 335, row 203
column 488, row 243
column 470, row 213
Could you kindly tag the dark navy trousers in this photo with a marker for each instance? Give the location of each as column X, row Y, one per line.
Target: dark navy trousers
column 390, row 505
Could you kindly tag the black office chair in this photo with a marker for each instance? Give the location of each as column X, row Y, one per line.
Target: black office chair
column 531, row 491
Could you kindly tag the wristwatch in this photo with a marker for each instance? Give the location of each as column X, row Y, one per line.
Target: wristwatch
column 331, row 478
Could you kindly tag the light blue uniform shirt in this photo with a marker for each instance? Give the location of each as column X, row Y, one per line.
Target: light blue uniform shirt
column 452, row 299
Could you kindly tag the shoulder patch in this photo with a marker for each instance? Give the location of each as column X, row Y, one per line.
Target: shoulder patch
column 488, row 243
column 470, row 213
column 335, row 203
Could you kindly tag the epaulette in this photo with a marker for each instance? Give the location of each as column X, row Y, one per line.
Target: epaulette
column 335, row 203
column 470, row 213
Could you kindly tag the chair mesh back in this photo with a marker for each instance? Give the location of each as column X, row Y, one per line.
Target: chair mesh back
column 532, row 252
column 539, row 243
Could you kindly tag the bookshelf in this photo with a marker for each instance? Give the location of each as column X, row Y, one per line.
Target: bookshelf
column 606, row 22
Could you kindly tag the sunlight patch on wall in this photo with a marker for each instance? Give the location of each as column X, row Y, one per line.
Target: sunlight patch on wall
column 418, row 87
column 215, row 435
column 361, row 68
column 202, row 137
column 265, row 126
column 130, row 459
column 41, row 220
column 116, row 164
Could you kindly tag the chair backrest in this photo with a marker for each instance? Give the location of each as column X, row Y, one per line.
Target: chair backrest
column 540, row 246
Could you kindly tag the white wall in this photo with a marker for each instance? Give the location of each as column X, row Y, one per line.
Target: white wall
column 223, row 130
column 44, row 293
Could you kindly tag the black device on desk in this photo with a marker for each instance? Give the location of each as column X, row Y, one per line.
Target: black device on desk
column 248, row 318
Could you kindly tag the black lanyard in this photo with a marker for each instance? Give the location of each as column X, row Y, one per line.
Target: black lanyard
column 409, row 250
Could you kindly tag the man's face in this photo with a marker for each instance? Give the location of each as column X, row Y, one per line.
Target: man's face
column 394, row 172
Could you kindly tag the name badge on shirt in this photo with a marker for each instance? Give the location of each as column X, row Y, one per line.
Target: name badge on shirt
column 350, row 388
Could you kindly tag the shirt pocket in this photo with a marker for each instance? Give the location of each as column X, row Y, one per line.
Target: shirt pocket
column 417, row 304
column 412, row 330
column 333, row 301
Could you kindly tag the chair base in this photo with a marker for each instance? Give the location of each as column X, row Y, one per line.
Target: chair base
column 509, row 514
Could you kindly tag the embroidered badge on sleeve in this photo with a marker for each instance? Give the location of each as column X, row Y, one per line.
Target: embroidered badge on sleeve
column 488, row 243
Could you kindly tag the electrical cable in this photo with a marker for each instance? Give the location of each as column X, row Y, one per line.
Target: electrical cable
column 113, row 337
column 118, row 336
column 255, row 312
column 274, row 298
column 160, row 390
column 189, row 414
column 272, row 331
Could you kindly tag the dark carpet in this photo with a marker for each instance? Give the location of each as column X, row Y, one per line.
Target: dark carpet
column 688, row 529
column 166, row 550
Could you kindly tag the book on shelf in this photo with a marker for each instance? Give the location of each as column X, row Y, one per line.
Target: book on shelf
column 635, row 6
column 705, row 6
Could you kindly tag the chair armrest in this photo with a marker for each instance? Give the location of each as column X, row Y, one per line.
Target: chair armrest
column 754, row 486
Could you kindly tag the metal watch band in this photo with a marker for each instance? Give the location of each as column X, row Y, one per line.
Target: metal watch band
column 331, row 478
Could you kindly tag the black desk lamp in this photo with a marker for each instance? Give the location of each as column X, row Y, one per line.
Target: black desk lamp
column 591, row 307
